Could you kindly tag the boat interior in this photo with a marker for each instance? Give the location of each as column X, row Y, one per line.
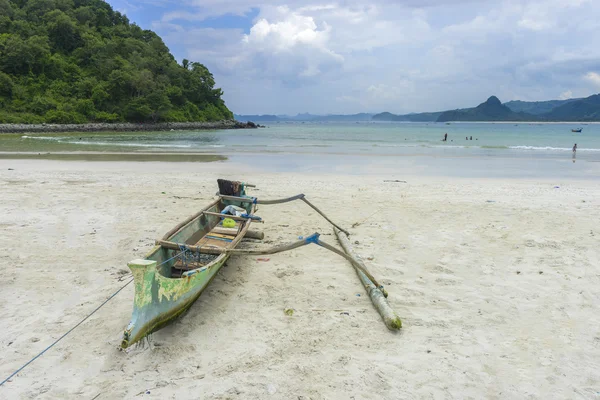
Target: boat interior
column 218, row 237
column 206, row 231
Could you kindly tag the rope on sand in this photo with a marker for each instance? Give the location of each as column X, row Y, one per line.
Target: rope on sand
column 79, row 323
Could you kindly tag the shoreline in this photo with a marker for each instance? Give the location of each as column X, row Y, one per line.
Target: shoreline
column 114, row 157
column 218, row 125
column 554, row 172
column 124, row 127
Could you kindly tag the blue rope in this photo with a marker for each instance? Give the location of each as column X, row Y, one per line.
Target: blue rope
column 183, row 250
column 69, row 331
column 80, row 322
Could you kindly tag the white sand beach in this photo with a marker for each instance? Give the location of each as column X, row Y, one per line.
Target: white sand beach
column 497, row 282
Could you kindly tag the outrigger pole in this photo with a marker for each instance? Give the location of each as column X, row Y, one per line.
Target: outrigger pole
column 376, row 293
column 375, row 290
column 314, row 238
column 281, row 201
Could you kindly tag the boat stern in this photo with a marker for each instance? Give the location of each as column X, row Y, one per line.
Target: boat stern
column 144, row 279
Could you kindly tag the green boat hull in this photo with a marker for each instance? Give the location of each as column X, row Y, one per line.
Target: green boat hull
column 159, row 298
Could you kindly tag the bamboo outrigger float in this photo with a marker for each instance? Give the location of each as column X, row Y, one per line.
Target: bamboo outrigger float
column 182, row 264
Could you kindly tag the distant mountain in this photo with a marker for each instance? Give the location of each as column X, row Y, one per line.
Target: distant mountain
column 582, row 109
column 491, row 110
column 587, row 109
column 385, row 116
column 305, row 117
column 343, row 118
column 536, row 107
column 298, row 117
column 415, row 117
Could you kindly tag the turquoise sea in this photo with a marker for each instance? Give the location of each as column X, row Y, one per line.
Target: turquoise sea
column 496, row 149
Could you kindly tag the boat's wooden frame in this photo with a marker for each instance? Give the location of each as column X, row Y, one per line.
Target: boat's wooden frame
column 160, row 298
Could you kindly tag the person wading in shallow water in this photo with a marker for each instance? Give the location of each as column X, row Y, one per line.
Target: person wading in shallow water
column 445, row 137
column 575, row 148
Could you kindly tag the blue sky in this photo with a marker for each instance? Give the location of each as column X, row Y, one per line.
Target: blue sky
column 401, row 56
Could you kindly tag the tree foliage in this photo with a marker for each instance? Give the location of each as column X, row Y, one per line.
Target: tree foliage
column 74, row 61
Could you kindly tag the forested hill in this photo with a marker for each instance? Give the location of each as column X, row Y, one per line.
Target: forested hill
column 76, row 61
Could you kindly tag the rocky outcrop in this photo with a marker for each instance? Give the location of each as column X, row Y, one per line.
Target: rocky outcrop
column 124, row 127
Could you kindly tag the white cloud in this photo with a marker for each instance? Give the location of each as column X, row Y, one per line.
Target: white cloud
column 400, row 56
column 290, row 30
column 593, row 77
column 289, row 45
column 566, row 95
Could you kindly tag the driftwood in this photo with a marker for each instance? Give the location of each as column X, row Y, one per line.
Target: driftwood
column 391, row 319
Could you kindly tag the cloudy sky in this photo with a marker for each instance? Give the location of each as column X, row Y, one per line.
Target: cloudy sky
column 286, row 57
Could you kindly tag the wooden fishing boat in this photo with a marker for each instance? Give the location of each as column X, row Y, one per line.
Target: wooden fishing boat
column 577, row 130
column 171, row 278
column 182, row 264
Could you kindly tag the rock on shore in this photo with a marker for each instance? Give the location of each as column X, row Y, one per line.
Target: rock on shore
column 123, row 127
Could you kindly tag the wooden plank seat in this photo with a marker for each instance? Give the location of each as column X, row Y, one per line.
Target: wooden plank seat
column 219, row 237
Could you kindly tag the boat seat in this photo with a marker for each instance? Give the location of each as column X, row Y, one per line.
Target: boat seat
column 218, row 238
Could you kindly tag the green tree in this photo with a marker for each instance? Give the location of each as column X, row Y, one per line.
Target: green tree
column 85, row 15
column 18, row 56
column 6, row 85
column 6, row 8
column 159, row 104
column 62, row 31
column 67, row 61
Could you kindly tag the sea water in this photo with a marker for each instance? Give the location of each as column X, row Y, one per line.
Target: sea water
column 495, row 148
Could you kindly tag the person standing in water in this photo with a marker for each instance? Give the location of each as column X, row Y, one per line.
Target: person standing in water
column 445, row 137
column 574, row 148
